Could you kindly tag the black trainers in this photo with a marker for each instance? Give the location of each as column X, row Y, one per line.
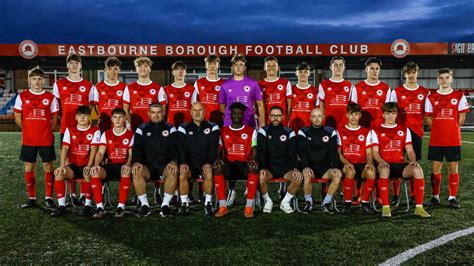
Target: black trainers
column 326, row 208
column 174, row 201
column 183, row 209
column 347, row 207
column 49, row 203
column 366, row 208
column 82, row 200
column 395, row 201
column 432, row 203
column 191, row 199
column 144, row 211
column 208, row 209
column 454, row 204
column 308, row 206
column 158, row 199
column 86, row 211
column 99, row 213
column 74, row 200
column 135, row 201
column 119, row 213
column 165, row 211
column 62, row 210
column 31, row 203
column 201, row 196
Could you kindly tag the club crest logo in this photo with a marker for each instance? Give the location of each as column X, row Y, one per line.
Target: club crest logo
column 45, row 101
column 325, row 138
column 283, row 138
column 244, row 136
column 207, row 131
column 165, row 133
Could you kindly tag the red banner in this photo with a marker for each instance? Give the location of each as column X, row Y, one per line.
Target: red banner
column 399, row 48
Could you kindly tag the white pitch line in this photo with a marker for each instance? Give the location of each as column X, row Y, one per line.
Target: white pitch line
column 465, row 141
column 405, row 256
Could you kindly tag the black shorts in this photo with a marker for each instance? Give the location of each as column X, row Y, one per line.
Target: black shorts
column 29, row 153
column 417, row 143
column 320, row 170
column 396, row 170
column 359, row 168
column 438, row 153
column 156, row 171
column 236, row 170
column 279, row 171
column 196, row 172
column 113, row 171
column 61, row 136
column 77, row 171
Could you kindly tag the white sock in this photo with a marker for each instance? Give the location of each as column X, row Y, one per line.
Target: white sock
column 222, row 203
column 451, row 197
column 287, row 197
column 144, row 200
column 88, row 202
column 100, row 205
column 208, row 199
column 266, row 197
column 121, row 205
column 249, row 203
column 166, row 199
column 184, row 199
column 47, row 198
column 62, row 201
column 82, row 195
column 436, row 197
column 309, row 198
column 327, row 199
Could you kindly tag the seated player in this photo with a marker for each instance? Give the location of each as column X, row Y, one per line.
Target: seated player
column 389, row 142
column 277, row 156
column 36, row 113
column 317, row 148
column 155, row 156
column 356, row 156
column 117, row 144
column 198, row 146
column 238, row 145
column 79, row 147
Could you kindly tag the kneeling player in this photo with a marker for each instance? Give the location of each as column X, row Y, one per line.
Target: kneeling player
column 238, row 141
column 79, row 148
column 317, row 148
column 117, row 144
column 389, row 143
column 356, row 156
column 277, row 156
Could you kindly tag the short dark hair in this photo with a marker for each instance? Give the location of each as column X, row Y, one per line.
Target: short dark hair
column 237, row 105
column 390, row 107
column 303, row 66
column 83, row 110
column 73, row 57
column 36, row 71
column 276, row 107
column 238, row 57
column 444, row 71
column 410, row 67
column 158, row 105
column 353, row 108
column 371, row 60
column 112, row 61
column 270, row 58
column 178, row 64
column 119, row 111
column 337, row 57
column 212, row 58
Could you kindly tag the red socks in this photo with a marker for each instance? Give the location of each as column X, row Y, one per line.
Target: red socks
column 48, row 182
column 453, row 182
column 383, row 190
column 396, row 186
column 435, row 183
column 30, row 182
column 60, row 188
column 124, row 189
column 96, row 186
column 419, row 186
column 367, row 189
column 87, row 189
column 252, row 186
column 348, row 189
column 220, row 186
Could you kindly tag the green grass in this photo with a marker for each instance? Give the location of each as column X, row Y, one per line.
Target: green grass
column 28, row 236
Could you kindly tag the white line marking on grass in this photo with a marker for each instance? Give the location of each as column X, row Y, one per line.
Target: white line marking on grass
column 405, row 256
column 464, row 141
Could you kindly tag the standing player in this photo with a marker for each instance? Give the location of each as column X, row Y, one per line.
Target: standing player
column 333, row 94
column 178, row 96
column 117, row 143
column 73, row 91
column 371, row 94
column 208, row 89
column 238, row 145
column 277, row 156
column 198, row 147
column 244, row 90
column 276, row 90
column 445, row 112
column 390, row 141
column 109, row 93
column 79, row 147
column 36, row 113
column 411, row 99
column 356, row 156
column 155, row 156
column 317, row 148
column 304, row 99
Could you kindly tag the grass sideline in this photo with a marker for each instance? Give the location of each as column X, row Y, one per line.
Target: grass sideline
column 31, row 236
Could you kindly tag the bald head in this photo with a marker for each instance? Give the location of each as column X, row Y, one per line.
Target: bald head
column 317, row 117
column 197, row 112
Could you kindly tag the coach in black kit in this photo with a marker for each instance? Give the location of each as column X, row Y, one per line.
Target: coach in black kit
column 155, row 155
column 198, row 146
column 317, row 148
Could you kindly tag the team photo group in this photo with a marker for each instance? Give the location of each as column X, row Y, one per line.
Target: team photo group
column 361, row 139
